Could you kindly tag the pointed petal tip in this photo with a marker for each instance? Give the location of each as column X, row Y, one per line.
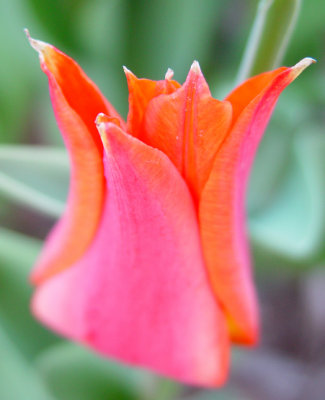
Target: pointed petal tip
column 169, row 74
column 129, row 74
column 26, row 31
column 195, row 67
column 126, row 70
column 37, row 45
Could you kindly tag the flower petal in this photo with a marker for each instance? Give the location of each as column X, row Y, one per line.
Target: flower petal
column 76, row 102
column 141, row 91
column 141, row 293
column 221, row 209
column 81, row 94
column 189, row 126
column 243, row 94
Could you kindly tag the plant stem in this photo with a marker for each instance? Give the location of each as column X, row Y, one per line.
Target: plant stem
column 269, row 37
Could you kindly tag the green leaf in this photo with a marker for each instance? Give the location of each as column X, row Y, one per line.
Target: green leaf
column 35, row 176
column 17, row 255
column 17, row 83
column 75, row 373
column 269, row 38
column 18, row 380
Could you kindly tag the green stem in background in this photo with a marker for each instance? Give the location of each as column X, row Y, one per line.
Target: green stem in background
column 269, row 37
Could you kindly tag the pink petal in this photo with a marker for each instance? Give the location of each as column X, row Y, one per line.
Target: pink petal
column 141, row 293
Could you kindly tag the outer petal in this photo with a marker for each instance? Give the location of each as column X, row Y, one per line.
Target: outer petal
column 76, row 102
column 141, row 91
column 141, row 292
column 242, row 95
column 221, row 210
column 189, row 126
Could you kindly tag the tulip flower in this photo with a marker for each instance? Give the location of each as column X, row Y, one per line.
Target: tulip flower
column 149, row 263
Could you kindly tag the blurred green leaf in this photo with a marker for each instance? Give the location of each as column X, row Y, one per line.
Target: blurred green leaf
column 75, row 373
column 35, row 176
column 269, row 38
column 17, row 255
column 104, row 33
column 16, row 74
column 57, row 17
column 18, row 381
column 103, row 30
column 293, row 226
column 169, row 34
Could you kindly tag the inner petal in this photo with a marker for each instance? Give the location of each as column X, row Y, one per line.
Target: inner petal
column 189, row 127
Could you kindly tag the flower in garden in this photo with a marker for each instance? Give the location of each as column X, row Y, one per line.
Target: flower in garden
column 149, row 263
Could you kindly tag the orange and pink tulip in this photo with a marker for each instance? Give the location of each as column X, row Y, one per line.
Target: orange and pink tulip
column 149, row 263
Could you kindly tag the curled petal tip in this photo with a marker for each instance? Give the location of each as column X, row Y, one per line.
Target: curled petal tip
column 104, row 123
column 169, row 74
column 37, row 45
column 104, row 119
column 195, row 67
column 101, row 118
column 302, row 65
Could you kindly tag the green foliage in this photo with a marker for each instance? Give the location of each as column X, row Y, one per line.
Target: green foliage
column 35, row 176
column 293, row 225
column 17, row 254
column 21, row 337
column 18, row 380
column 57, row 17
column 74, row 373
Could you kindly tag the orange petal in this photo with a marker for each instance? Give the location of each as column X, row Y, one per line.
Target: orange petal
column 141, row 91
column 76, row 102
column 189, row 126
column 221, row 209
column 141, row 293
column 242, row 95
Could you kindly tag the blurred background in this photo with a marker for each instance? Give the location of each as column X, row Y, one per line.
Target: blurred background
column 286, row 199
